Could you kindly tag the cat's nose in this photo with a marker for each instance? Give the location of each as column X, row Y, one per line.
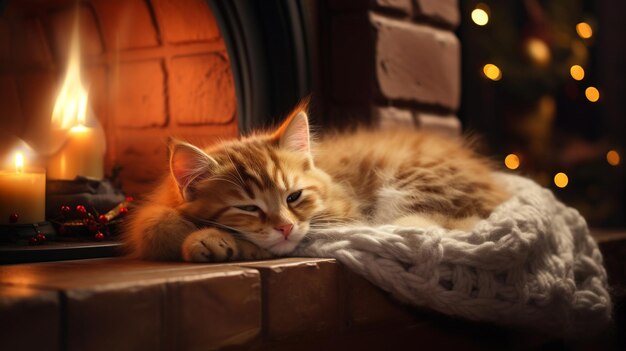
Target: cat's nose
column 285, row 229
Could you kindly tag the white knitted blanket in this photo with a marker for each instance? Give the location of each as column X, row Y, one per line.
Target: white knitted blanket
column 532, row 263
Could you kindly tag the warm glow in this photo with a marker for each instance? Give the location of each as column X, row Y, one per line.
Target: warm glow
column 584, row 30
column 511, row 161
column 577, row 72
column 480, row 15
column 70, row 107
column 561, row 180
column 492, row 72
column 592, row 94
column 612, row 157
column 19, row 162
column 538, row 50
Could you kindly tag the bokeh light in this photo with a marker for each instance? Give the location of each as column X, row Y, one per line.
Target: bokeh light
column 613, row 158
column 480, row 15
column 584, row 30
column 592, row 94
column 538, row 50
column 492, row 72
column 577, row 72
column 511, row 161
column 561, row 180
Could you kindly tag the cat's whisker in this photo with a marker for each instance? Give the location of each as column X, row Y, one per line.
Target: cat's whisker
column 226, row 180
column 234, row 166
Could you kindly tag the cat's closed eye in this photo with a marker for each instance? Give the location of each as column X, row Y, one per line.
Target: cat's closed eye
column 294, row 196
column 248, row 208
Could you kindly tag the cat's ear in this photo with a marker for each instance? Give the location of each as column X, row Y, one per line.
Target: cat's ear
column 294, row 133
column 189, row 163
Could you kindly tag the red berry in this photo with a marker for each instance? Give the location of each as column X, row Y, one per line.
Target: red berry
column 41, row 237
column 81, row 209
column 33, row 241
column 65, row 210
column 103, row 219
column 91, row 225
column 129, row 199
column 99, row 236
column 123, row 210
column 13, row 217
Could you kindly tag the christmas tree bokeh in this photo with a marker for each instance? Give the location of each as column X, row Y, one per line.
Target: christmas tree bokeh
column 532, row 90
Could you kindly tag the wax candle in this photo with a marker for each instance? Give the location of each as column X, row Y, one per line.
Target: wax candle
column 22, row 192
column 80, row 138
column 82, row 154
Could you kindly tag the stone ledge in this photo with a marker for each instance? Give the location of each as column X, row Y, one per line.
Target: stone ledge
column 128, row 304
column 29, row 319
column 282, row 304
column 117, row 304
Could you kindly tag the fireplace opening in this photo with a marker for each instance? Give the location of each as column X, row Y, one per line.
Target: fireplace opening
column 153, row 69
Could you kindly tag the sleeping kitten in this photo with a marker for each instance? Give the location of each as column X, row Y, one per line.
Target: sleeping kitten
column 259, row 196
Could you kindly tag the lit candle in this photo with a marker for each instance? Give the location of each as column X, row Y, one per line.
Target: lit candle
column 81, row 155
column 82, row 150
column 22, row 193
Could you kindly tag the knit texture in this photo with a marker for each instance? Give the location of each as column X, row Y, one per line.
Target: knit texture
column 532, row 263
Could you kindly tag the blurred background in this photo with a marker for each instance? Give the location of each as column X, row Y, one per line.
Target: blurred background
column 543, row 82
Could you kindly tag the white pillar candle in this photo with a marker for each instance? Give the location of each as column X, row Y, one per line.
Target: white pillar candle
column 82, row 143
column 81, row 155
column 23, row 193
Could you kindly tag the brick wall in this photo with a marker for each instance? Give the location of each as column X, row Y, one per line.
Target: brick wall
column 155, row 68
column 391, row 62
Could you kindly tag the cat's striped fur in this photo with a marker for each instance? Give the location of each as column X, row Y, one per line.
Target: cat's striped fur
column 235, row 200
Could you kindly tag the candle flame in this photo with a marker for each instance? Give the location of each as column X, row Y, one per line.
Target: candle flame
column 19, row 162
column 70, row 108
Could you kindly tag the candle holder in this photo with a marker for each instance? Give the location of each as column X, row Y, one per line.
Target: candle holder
column 99, row 195
column 89, row 206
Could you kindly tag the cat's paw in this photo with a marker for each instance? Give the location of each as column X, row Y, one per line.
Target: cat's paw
column 249, row 251
column 210, row 245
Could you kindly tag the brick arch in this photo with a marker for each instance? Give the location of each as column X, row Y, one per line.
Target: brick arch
column 155, row 68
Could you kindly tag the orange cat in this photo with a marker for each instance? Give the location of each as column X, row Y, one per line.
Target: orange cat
column 259, row 196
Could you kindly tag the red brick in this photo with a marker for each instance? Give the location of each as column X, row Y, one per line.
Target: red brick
column 11, row 117
column 404, row 6
column 30, row 44
column 62, row 24
column 446, row 11
column 30, row 319
column 392, row 117
column 143, row 158
column 201, row 90
column 37, row 93
column 116, row 304
column 186, row 21
column 96, row 82
column 127, row 24
column 301, row 296
column 137, row 89
column 207, row 135
column 369, row 305
column 95, row 79
column 416, row 63
column 351, row 58
column 446, row 125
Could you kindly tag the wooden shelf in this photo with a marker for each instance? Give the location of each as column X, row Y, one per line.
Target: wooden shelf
column 59, row 251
